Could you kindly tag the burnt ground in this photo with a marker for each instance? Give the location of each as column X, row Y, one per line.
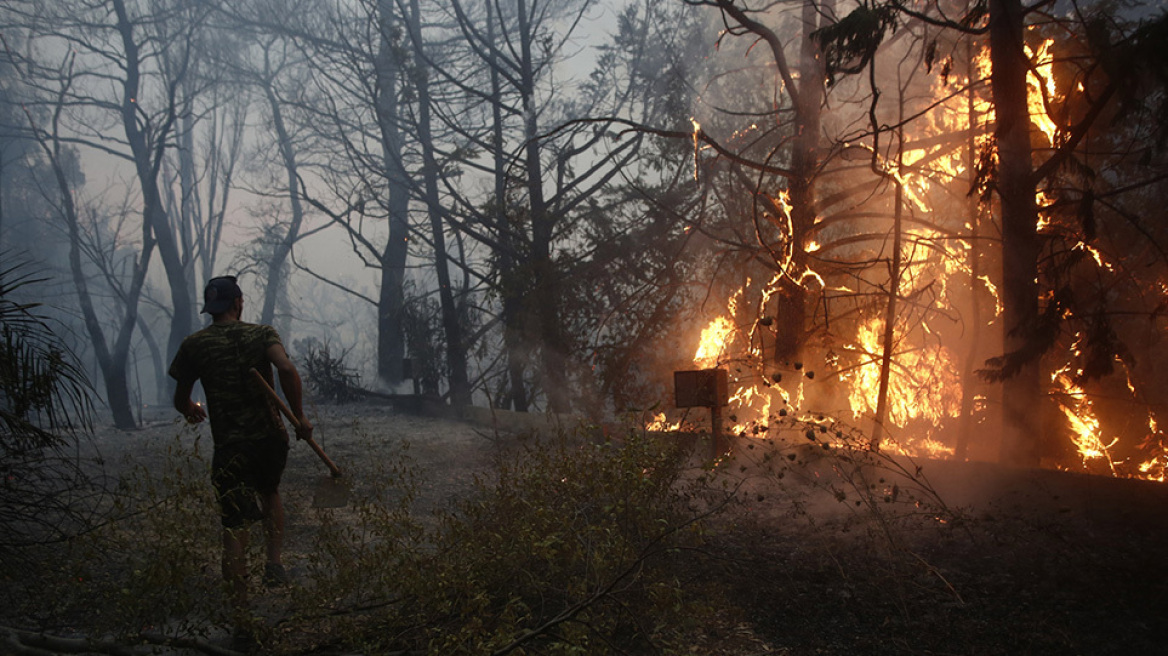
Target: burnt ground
column 1025, row 562
column 951, row 558
column 968, row 558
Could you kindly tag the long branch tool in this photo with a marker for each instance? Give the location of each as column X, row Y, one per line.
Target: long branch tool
column 331, row 491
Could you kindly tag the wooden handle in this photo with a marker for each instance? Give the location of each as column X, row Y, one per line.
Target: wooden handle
column 287, row 412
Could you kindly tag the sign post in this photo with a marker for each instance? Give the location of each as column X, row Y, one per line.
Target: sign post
column 704, row 388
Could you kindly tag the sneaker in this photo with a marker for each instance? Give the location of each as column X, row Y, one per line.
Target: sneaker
column 275, row 576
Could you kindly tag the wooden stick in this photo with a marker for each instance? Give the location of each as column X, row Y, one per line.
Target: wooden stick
column 259, row 378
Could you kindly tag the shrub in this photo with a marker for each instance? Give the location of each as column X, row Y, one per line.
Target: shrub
column 328, row 376
column 568, row 549
column 576, row 547
column 150, row 572
column 46, row 493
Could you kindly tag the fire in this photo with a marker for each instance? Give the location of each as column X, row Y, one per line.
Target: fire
column 1040, row 87
column 660, row 422
column 922, row 386
column 1154, row 469
column 713, row 344
column 1082, row 420
column 940, row 241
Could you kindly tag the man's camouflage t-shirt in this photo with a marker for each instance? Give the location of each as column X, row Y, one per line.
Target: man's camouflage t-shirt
column 221, row 356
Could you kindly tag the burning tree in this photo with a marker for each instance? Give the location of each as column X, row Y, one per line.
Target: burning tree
column 976, row 183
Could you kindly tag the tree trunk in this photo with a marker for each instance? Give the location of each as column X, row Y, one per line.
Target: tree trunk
column 1022, row 392
column 456, row 360
column 157, row 362
column 969, row 378
column 275, row 282
column 512, row 293
column 553, row 348
column 888, row 341
column 792, row 296
column 112, row 362
column 148, row 153
column 391, row 346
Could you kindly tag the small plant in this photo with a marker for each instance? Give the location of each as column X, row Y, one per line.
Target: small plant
column 572, row 547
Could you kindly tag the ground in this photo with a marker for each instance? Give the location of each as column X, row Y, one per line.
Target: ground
column 958, row 558
column 1039, row 563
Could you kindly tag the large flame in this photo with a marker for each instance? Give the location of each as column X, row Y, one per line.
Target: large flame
column 921, row 386
column 714, row 342
column 924, row 391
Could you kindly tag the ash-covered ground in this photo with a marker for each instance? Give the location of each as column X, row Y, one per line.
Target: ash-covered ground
column 823, row 555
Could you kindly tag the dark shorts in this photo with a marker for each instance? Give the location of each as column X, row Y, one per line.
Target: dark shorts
column 240, row 471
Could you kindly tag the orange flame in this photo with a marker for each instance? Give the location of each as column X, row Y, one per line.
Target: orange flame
column 1081, row 419
column 715, row 339
column 1040, row 86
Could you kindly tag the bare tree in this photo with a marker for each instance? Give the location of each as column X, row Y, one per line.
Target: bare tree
column 122, row 100
column 456, row 343
column 543, row 184
column 112, row 355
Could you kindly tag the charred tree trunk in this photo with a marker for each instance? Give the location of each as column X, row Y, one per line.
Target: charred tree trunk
column 456, row 360
column 511, row 291
column 792, row 296
column 969, row 378
column 113, row 362
column 188, row 207
column 1022, row 391
column 157, row 362
column 553, row 349
column 888, row 340
column 390, row 334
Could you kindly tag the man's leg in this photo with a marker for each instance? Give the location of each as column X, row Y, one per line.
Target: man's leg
column 235, row 566
column 272, row 455
column 273, row 526
column 274, row 574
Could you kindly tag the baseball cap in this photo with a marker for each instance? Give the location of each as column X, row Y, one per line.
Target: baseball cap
column 219, row 294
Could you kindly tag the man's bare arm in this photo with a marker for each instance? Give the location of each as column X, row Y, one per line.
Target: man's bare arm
column 292, row 387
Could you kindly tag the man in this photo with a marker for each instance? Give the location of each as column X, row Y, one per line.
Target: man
column 251, row 445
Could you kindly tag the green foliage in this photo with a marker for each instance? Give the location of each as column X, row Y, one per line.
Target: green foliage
column 42, row 390
column 425, row 341
column 577, row 539
column 579, row 547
